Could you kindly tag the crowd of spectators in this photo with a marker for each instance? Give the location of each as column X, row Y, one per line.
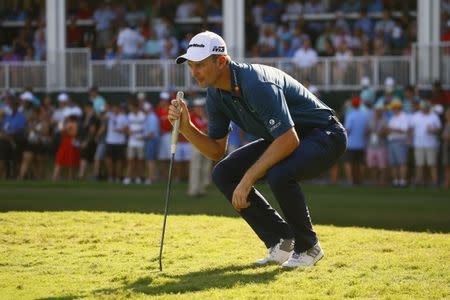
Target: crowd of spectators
column 399, row 138
column 132, row 29
column 396, row 136
column 126, row 141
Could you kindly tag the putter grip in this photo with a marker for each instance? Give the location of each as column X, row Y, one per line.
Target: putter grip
column 176, row 126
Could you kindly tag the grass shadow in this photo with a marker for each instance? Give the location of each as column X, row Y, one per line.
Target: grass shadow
column 215, row 278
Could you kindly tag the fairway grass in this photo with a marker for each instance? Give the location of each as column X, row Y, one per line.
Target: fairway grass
column 66, row 255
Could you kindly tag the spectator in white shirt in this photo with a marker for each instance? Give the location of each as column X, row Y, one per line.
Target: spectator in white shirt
column 115, row 142
column 185, row 9
column 397, row 143
column 130, row 43
column 343, row 56
column 425, row 126
column 305, row 57
column 70, row 109
column 135, row 148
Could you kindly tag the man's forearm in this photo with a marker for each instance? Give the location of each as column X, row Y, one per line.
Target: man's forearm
column 206, row 145
column 281, row 148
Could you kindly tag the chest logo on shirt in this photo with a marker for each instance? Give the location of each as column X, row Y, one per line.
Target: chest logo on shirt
column 273, row 124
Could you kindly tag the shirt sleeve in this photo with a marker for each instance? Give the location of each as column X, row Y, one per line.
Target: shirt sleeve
column 219, row 123
column 268, row 101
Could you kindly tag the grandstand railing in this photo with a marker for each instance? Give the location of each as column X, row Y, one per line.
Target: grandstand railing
column 156, row 75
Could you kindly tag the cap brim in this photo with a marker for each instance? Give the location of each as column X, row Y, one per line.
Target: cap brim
column 182, row 58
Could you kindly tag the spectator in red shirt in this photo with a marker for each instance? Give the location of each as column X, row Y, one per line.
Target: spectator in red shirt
column 446, row 35
column 439, row 96
column 74, row 33
column 84, row 11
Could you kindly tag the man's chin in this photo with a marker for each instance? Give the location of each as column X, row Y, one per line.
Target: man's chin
column 202, row 84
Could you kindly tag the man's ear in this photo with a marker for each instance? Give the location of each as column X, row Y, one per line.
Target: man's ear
column 222, row 59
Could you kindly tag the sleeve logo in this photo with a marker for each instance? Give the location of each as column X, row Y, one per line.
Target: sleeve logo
column 273, row 124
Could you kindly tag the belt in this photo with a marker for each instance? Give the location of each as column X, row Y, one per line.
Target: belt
column 305, row 130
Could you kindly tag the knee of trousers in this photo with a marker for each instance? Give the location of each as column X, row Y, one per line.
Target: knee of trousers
column 221, row 174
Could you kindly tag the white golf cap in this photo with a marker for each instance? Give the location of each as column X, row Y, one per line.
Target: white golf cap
column 63, row 97
column 389, row 83
column 199, row 102
column 365, row 81
column 26, row 96
column 141, row 96
column 202, row 46
column 164, row 96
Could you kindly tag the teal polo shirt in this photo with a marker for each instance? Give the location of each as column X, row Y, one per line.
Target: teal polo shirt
column 266, row 103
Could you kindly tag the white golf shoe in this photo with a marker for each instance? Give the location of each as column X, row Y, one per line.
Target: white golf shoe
column 304, row 259
column 278, row 253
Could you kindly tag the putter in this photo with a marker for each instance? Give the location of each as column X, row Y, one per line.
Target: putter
column 173, row 148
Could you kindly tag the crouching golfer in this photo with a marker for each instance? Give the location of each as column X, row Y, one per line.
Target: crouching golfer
column 299, row 138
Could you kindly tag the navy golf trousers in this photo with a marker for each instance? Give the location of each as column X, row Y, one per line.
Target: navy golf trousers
column 319, row 149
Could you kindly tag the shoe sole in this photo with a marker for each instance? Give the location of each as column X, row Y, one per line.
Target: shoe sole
column 274, row 262
column 316, row 259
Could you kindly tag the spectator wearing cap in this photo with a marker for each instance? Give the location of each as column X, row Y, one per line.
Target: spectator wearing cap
column 26, row 105
column 12, row 139
column 97, row 100
column 356, row 125
column 367, row 93
column 116, row 142
column 71, row 108
column 389, row 92
column 200, row 166
column 377, row 146
column 151, row 140
column 57, row 121
column 164, row 143
column 141, row 97
column 135, row 146
column 397, row 130
column 425, row 127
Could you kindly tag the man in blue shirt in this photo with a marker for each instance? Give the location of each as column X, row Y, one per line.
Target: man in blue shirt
column 299, row 138
column 12, row 138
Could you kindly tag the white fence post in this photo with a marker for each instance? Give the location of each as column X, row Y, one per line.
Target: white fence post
column 375, row 70
column 133, row 76
column 327, row 74
column 166, row 73
column 7, row 76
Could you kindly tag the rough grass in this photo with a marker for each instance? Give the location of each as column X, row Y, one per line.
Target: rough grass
column 67, row 255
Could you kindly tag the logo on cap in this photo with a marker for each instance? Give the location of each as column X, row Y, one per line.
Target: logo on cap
column 218, row 49
column 196, row 46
